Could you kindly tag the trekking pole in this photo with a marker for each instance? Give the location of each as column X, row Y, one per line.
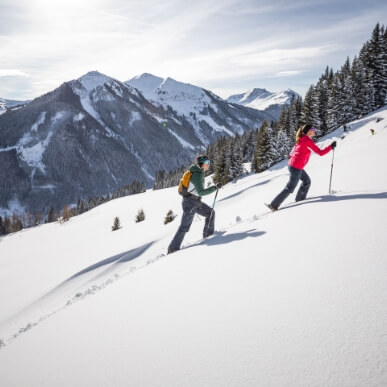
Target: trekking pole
column 330, row 179
column 213, row 205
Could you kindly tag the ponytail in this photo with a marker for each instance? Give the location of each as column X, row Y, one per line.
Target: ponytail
column 302, row 130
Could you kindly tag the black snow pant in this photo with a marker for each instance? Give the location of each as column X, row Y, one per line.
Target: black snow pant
column 295, row 176
column 193, row 205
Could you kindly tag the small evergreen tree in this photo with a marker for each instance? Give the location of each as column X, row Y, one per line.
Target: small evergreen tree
column 140, row 216
column 116, row 224
column 170, row 217
column 16, row 224
column 66, row 215
column 7, row 225
column 52, row 216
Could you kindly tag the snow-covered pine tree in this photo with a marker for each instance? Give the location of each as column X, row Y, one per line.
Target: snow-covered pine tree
column 169, row 217
column 346, row 97
column 265, row 152
column 284, row 144
column 233, row 155
column 219, row 164
column 248, row 145
column 159, row 180
column 295, row 113
column 362, row 90
column 310, row 108
column 322, row 93
column 333, row 118
column 376, row 57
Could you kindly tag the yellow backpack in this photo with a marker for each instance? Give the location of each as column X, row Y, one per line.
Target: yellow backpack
column 184, row 183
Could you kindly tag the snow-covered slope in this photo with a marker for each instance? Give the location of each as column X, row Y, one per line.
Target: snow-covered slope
column 182, row 97
column 292, row 298
column 199, row 106
column 261, row 99
column 7, row 103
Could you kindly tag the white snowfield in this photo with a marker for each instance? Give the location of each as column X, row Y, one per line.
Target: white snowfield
column 292, row 298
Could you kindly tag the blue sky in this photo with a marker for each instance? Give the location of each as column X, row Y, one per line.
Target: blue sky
column 227, row 46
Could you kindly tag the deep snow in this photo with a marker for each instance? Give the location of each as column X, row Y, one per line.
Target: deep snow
column 293, row 298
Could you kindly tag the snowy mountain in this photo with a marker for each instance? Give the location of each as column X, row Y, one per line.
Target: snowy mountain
column 7, row 104
column 199, row 106
column 95, row 134
column 263, row 100
column 292, row 298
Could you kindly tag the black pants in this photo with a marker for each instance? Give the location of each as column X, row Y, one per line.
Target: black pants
column 295, row 176
column 191, row 206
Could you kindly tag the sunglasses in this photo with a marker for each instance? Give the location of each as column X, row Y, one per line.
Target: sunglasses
column 208, row 162
column 313, row 129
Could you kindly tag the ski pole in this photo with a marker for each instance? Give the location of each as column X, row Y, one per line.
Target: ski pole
column 213, row 205
column 330, row 179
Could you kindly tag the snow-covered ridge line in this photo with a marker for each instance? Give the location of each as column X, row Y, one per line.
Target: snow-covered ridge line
column 262, row 99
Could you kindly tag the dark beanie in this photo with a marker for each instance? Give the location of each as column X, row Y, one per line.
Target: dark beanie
column 201, row 159
column 306, row 128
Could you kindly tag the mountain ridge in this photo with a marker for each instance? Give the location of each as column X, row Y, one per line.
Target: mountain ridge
column 95, row 134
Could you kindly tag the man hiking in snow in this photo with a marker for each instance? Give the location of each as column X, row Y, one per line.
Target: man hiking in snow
column 192, row 204
column 299, row 157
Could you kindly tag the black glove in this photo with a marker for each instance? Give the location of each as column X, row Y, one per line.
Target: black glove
column 218, row 186
column 333, row 145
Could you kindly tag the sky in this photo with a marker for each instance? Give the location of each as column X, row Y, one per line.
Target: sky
column 228, row 46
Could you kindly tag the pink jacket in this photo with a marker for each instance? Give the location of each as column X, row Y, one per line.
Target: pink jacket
column 300, row 154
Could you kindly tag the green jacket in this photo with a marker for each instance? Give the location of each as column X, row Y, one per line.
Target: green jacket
column 196, row 184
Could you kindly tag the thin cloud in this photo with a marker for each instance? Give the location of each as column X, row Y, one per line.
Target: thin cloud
column 12, row 73
column 288, row 73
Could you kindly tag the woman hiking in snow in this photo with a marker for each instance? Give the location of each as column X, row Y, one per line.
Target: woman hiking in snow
column 299, row 157
column 192, row 203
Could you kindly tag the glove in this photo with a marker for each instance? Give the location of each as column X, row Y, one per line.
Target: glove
column 218, row 186
column 333, row 145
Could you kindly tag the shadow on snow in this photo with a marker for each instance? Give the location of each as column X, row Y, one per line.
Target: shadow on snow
column 221, row 239
column 119, row 258
column 331, row 198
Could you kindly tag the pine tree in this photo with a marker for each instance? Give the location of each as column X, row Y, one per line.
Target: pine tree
column 7, row 225
column 66, row 215
column 376, row 58
column 170, row 217
column 346, row 97
column 310, row 108
column 219, row 165
column 322, row 94
column 362, row 89
column 52, row 216
column 140, row 216
column 284, row 144
column 116, row 224
column 16, row 223
column 333, row 118
column 264, row 155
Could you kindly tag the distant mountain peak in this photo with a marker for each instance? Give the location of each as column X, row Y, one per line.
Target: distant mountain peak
column 94, row 79
column 262, row 99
